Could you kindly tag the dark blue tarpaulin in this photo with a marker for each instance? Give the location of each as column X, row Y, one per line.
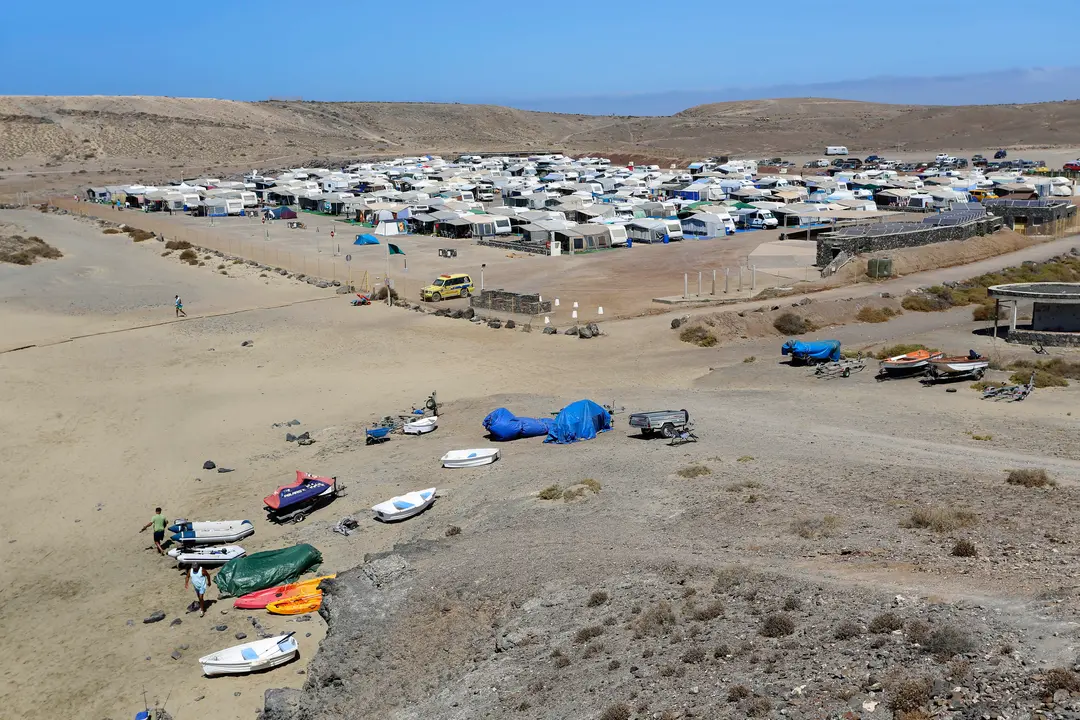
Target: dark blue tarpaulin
column 821, row 351
column 504, row 425
column 366, row 239
column 581, row 420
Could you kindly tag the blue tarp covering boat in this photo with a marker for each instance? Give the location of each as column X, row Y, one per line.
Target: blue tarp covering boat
column 366, row 239
column 581, row 420
column 819, row 351
column 504, row 425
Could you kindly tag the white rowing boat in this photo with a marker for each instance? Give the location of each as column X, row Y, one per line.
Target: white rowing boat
column 470, row 458
column 422, row 426
column 251, row 657
column 404, row 506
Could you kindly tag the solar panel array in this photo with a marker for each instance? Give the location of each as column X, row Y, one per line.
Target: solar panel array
column 960, row 215
column 1023, row 203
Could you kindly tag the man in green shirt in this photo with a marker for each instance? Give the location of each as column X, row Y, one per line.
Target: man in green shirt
column 159, row 522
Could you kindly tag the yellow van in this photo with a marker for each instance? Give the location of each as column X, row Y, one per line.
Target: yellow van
column 448, row 286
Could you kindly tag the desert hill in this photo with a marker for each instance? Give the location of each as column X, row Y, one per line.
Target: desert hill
column 175, row 132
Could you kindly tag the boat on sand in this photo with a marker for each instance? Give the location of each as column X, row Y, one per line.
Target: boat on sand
column 404, row 506
column 251, row 657
column 260, row 598
column 297, row 604
column 470, row 458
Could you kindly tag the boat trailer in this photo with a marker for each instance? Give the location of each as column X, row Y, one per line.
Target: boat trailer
column 841, row 368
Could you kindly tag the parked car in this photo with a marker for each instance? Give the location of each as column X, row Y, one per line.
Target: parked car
column 1001, row 154
column 978, row 160
column 447, row 286
column 873, row 159
column 1073, row 166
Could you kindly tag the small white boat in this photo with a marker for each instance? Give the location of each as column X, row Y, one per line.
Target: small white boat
column 959, row 365
column 470, row 458
column 207, row 555
column 210, row 533
column 909, row 362
column 421, row 426
column 251, row 657
column 404, row 506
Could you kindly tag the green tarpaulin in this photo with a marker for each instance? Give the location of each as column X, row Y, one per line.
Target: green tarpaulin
column 266, row 569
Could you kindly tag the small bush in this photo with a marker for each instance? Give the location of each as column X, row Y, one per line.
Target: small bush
column 571, row 494
column 189, row 256
column 177, row 245
column 814, row 528
column 729, row 578
column 698, row 335
column 551, row 492
column 777, row 625
column 847, row 630
column 982, row 438
column 743, row 485
column 746, row 459
column 1043, row 379
column 1061, row 679
column 381, row 295
column 562, row 661
column 140, row 235
column 593, row 650
column 616, row 712
column 791, row 324
column 591, row 485
column 586, row 634
column 792, row 603
column 917, row 631
column 736, row 693
column 452, row 531
column 910, row 695
column 20, row 250
column 1029, row 478
column 885, row 623
column 693, row 656
column 985, row 311
column 900, row 349
column 984, row 384
column 875, row 315
column 693, row 471
column 657, row 620
column 948, row 641
column 941, row 519
column 721, row 651
column 221, row 267
column 597, row 598
column 710, row 612
column 750, row 359
column 964, row 548
column 758, row 707
column 614, row 665
column 112, row 231
column 924, row 303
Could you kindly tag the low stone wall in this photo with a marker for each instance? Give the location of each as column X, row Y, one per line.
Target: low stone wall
column 1043, row 337
column 830, row 245
column 509, row 302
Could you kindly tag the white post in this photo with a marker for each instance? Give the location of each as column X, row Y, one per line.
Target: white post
column 713, row 283
column 699, row 283
column 1012, row 323
column 686, row 285
column 753, row 278
column 726, row 278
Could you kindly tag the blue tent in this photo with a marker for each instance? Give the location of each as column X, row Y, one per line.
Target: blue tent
column 581, row 420
column 821, row 351
column 366, row 239
column 504, row 425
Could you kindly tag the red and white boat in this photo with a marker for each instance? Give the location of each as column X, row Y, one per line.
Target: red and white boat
column 909, row 362
column 971, row 364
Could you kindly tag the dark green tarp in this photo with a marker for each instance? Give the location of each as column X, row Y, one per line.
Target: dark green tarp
column 266, row 569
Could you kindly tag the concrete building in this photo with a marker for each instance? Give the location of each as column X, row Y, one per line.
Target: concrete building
column 1055, row 312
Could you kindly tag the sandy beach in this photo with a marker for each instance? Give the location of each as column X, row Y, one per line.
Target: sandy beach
column 118, row 404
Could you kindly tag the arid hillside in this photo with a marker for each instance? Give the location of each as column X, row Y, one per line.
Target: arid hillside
column 177, row 132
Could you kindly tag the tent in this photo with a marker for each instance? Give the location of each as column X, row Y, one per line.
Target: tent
column 366, row 239
column 504, row 425
column 280, row 213
column 581, row 420
column 266, row 569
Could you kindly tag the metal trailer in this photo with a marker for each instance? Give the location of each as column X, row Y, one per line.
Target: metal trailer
column 668, row 423
column 843, row 368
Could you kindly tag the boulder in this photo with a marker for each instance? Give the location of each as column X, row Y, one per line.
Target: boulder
column 175, row 622
column 494, row 324
column 289, row 437
column 510, row 324
column 209, row 465
column 247, row 343
column 548, row 330
column 676, row 323
column 322, row 284
column 282, row 271
column 176, row 655
column 594, row 329
column 584, row 332
column 457, row 314
column 156, row 616
column 280, row 703
column 221, row 628
column 344, row 290
column 240, row 635
column 468, row 313
column 571, row 331
column 805, row 301
column 304, row 441
column 303, row 436
column 336, row 283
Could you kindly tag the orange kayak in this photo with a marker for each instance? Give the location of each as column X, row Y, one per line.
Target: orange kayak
column 260, row 598
column 297, row 604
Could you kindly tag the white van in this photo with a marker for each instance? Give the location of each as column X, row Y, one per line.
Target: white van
column 618, row 235
column 836, row 150
column 502, row 224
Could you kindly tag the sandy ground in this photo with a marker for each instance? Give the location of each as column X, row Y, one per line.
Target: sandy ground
column 98, row 430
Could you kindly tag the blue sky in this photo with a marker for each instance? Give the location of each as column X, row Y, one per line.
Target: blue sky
column 470, row 51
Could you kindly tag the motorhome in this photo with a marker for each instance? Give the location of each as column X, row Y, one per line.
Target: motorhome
column 755, row 218
column 836, row 150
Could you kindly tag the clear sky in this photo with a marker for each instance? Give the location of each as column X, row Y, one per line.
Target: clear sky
column 472, row 51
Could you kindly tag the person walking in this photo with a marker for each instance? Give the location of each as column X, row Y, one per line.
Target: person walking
column 179, row 307
column 158, row 522
column 200, row 580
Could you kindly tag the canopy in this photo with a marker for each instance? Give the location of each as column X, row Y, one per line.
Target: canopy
column 281, row 213
column 820, row 350
column 266, row 569
column 366, row 239
column 306, row 487
column 581, row 420
column 504, row 425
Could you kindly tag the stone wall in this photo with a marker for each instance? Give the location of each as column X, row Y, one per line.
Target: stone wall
column 509, row 302
column 1031, row 215
column 829, row 245
column 1055, row 317
column 1038, row 337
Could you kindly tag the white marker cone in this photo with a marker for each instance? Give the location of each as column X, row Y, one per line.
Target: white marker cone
column 547, row 320
column 556, row 302
column 575, row 306
column 600, row 310
column 574, row 315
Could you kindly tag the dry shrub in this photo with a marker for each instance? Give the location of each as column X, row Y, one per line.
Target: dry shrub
column 721, row 651
column 614, row 665
column 593, row 650
column 875, row 315
column 1043, row 379
column 586, row 634
column 698, row 335
column 847, row 630
column 924, row 303
column 964, row 548
column 942, row 519
column 736, row 693
column 112, row 231
column 750, row 359
column 693, row 471
column 381, row 295
column 985, row 311
column 758, row 707
column 20, row 250
column 452, row 531
column 591, row 485
column 777, row 625
column 597, row 598
column 917, row 631
column 177, row 245
column 960, row 671
column 562, row 661
column 616, row 712
column 138, row 235
column 1061, row 679
column 551, row 492
column 947, row 641
column 814, row 528
column 792, row 603
column 189, row 256
column 1030, row 478
column 657, row 620
column 571, row 494
column 693, row 656
column 791, row 324
column 729, row 578
column 710, row 612
column 909, row 695
column 885, row 623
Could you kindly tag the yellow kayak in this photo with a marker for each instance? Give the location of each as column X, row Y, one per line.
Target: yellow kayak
column 260, row 598
column 297, row 604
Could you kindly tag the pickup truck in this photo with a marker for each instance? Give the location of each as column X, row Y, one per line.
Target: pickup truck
column 667, row 422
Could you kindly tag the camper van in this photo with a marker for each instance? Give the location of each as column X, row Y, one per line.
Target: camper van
column 836, row 150
column 502, row 224
column 755, row 218
column 618, row 235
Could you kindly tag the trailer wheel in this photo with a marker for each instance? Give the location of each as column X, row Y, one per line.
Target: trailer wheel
column 846, row 373
column 299, row 517
column 668, row 430
column 979, row 374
